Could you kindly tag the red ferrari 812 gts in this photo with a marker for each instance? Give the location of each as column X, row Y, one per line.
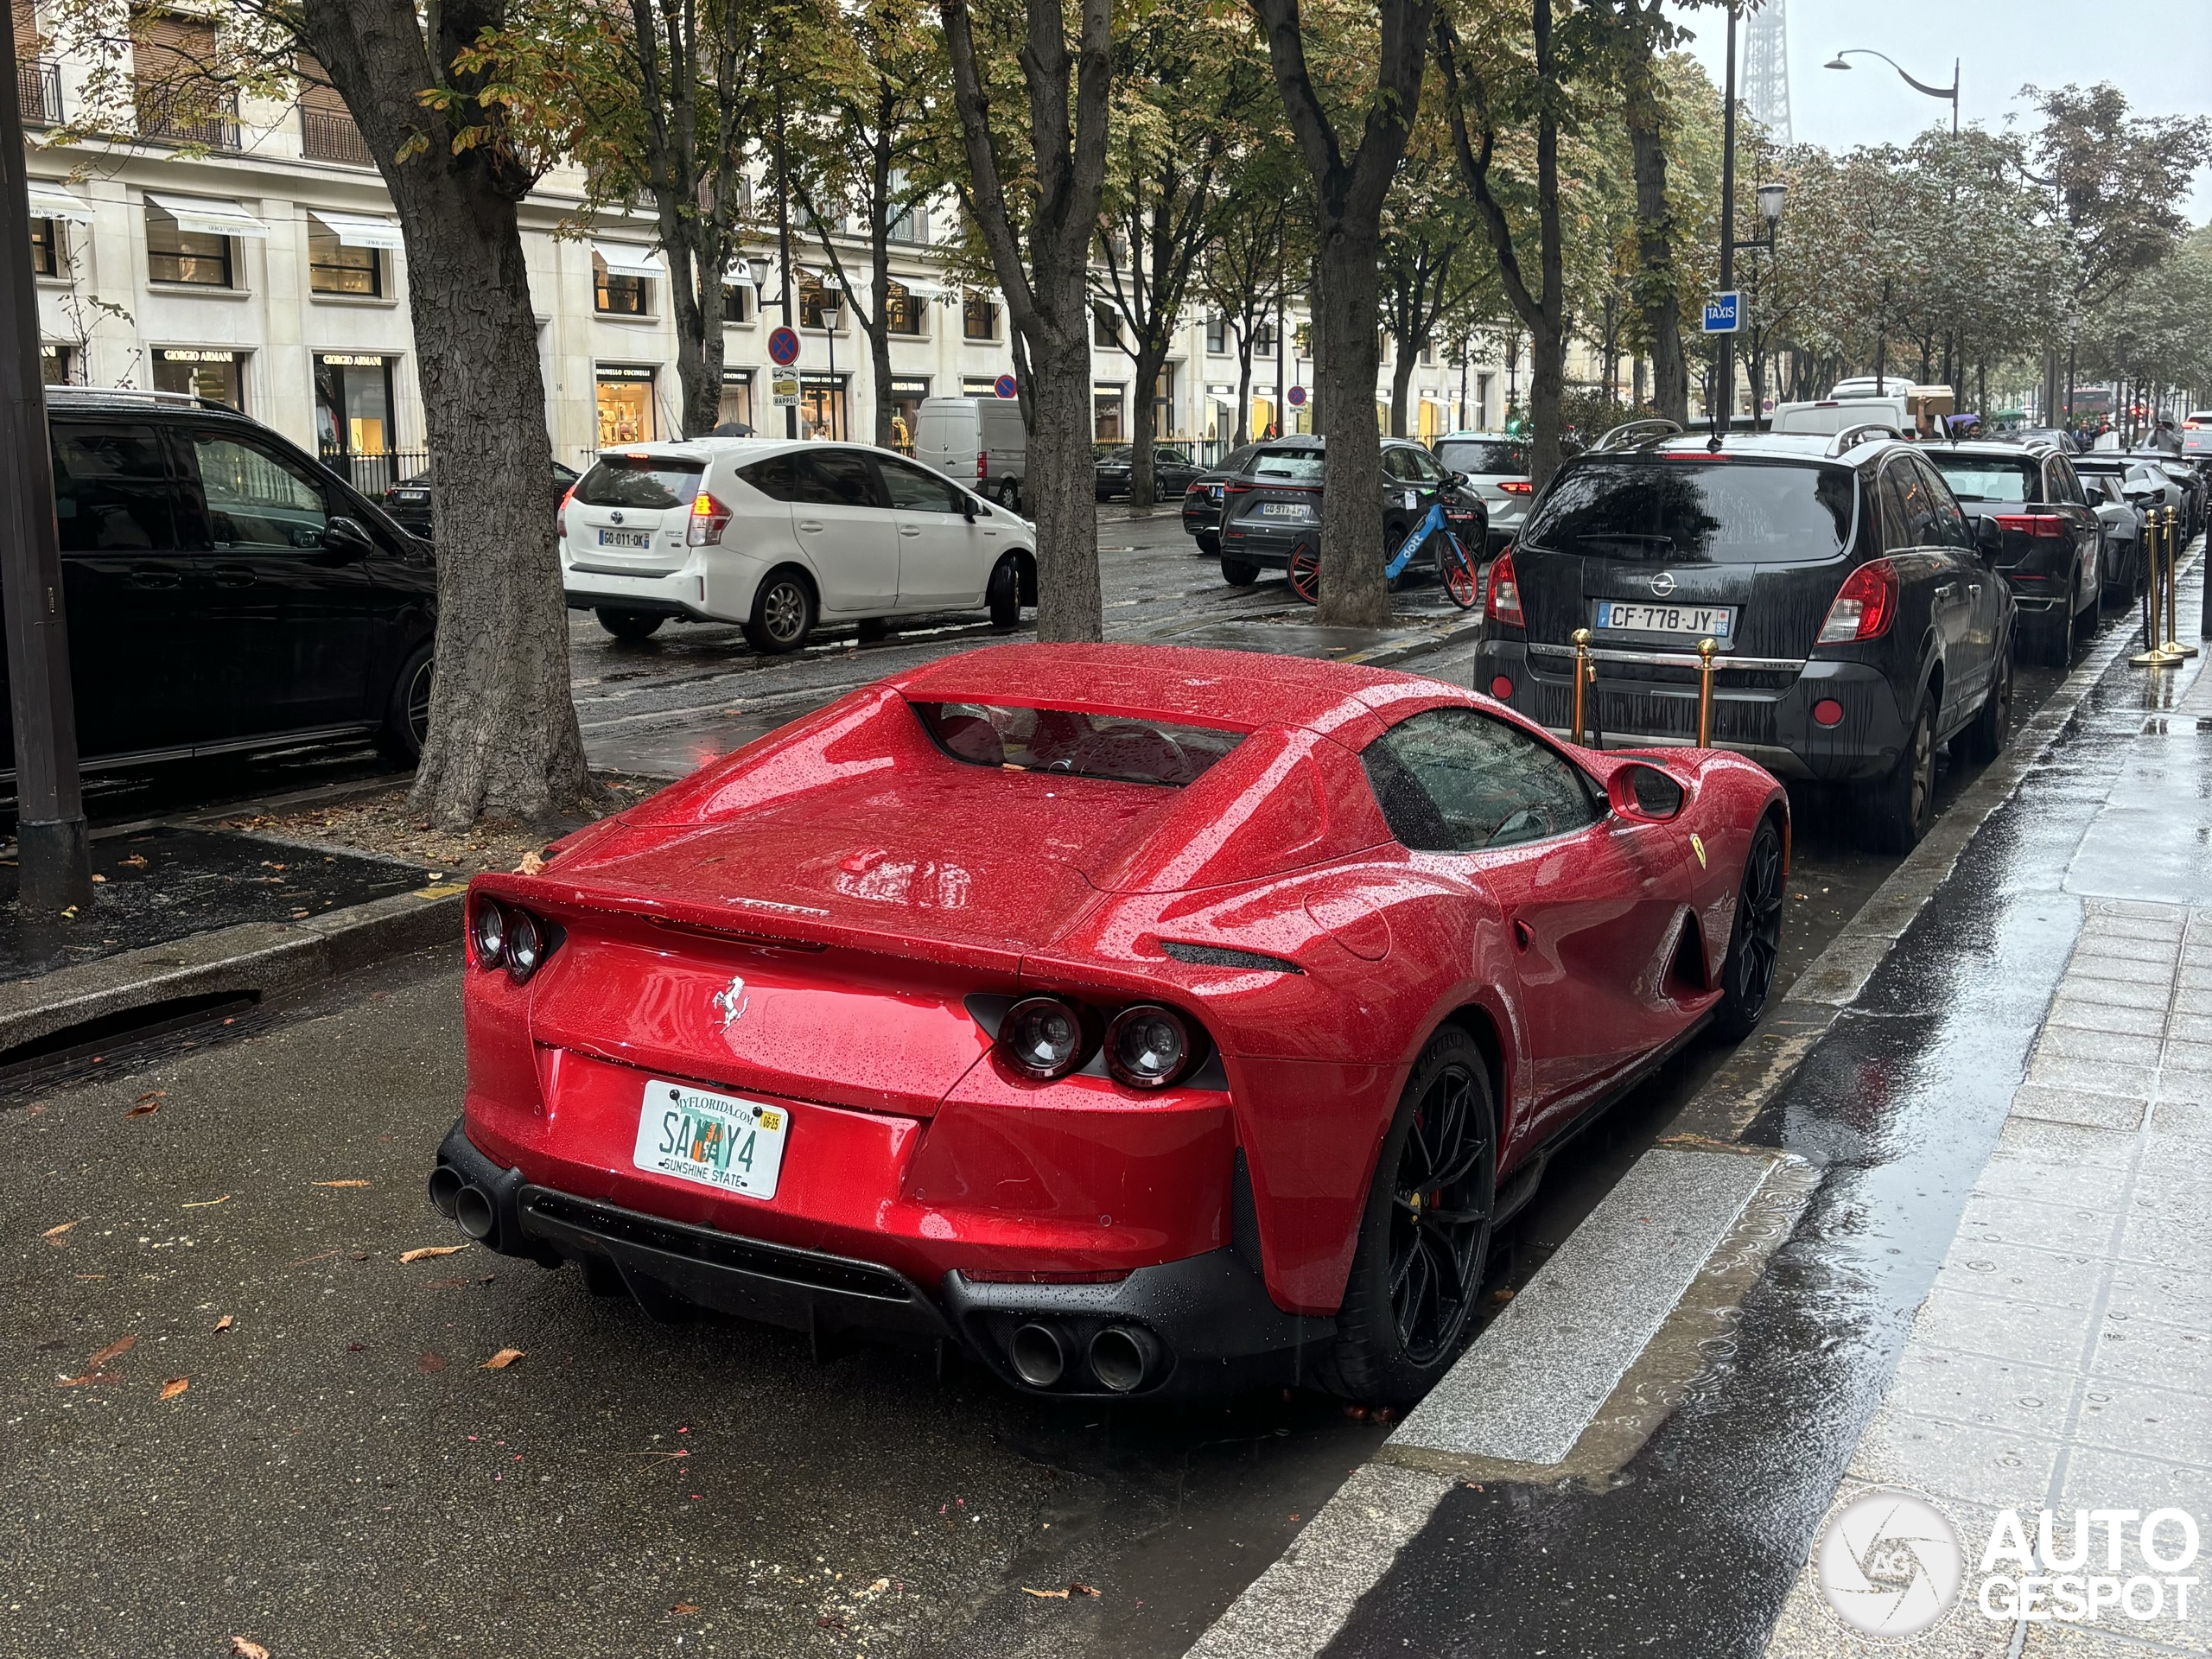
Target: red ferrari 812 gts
column 1139, row 1020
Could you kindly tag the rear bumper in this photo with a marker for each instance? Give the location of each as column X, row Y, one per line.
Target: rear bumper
column 1774, row 727
column 1207, row 1319
column 714, row 585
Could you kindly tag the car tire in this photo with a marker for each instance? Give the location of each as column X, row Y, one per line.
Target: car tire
column 873, row 630
column 1993, row 727
column 2051, row 643
column 1209, row 544
column 1237, row 574
column 1003, row 594
column 783, row 612
column 2085, row 625
column 1899, row 808
column 629, row 625
column 1415, row 1280
column 406, row 724
column 1754, row 939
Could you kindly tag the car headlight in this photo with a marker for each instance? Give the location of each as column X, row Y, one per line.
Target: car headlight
column 488, row 931
column 1042, row 1038
column 1147, row 1046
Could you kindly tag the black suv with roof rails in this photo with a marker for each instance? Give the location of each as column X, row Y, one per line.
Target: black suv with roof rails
column 1273, row 506
column 2053, row 552
column 225, row 592
column 1859, row 621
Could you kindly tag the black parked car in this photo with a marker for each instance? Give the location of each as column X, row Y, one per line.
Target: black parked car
column 1859, row 621
column 224, row 592
column 1274, row 506
column 2053, row 544
column 1173, row 469
column 1202, row 501
column 408, row 502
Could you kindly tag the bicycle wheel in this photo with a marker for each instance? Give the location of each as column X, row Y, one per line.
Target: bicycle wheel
column 1460, row 579
column 1306, row 572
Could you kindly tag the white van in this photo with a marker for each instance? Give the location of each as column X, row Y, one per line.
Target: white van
column 1830, row 415
column 977, row 438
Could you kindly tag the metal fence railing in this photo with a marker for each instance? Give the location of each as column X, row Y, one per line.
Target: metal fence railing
column 331, row 135
column 166, row 117
column 377, row 471
column 38, row 91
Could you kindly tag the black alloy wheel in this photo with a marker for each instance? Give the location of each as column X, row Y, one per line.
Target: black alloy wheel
column 1899, row 807
column 783, row 613
column 1993, row 727
column 1003, row 594
column 1424, row 1240
column 1754, row 940
column 406, row 725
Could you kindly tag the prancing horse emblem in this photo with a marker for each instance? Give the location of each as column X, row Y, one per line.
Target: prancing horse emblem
column 1663, row 584
column 732, row 1002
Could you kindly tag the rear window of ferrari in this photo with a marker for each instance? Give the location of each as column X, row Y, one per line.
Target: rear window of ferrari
column 1126, row 748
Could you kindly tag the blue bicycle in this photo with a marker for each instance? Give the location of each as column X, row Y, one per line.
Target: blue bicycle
column 1459, row 571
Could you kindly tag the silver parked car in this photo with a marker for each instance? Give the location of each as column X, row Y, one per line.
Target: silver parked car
column 1496, row 466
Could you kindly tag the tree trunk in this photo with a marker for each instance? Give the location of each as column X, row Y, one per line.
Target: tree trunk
column 698, row 336
column 1244, row 392
column 1345, row 361
column 1063, row 486
column 1151, row 359
column 1658, row 293
column 503, row 739
column 1402, row 380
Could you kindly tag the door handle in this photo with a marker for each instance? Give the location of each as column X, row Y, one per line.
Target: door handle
column 234, row 575
column 153, row 576
column 1944, row 590
column 811, row 528
column 1521, row 937
column 909, row 530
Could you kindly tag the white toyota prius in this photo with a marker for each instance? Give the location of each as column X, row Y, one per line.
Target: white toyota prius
column 778, row 535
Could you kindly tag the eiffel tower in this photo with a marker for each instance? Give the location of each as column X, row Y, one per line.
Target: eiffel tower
column 1766, row 69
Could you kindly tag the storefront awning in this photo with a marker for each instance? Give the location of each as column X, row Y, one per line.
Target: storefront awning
column 359, row 230
column 628, row 259
column 52, row 201
column 206, row 217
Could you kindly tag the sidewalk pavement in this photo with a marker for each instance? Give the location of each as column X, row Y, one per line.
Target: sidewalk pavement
column 1968, row 1259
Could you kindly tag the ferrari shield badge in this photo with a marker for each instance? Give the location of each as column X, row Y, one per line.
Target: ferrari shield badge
column 1696, row 846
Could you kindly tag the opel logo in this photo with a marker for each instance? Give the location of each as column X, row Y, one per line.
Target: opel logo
column 731, row 1002
column 1663, row 584
column 615, row 517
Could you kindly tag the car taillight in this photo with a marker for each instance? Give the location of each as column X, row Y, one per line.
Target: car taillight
column 982, row 463
column 1503, row 604
column 710, row 518
column 2032, row 523
column 1147, row 1047
column 561, row 517
column 1516, row 485
column 507, row 935
column 1043, row 1038
column 1864, row 605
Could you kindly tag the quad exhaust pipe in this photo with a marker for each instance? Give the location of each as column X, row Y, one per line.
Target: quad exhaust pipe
column 467, row 1206
column 1121, row 1358
column 1038, row 1357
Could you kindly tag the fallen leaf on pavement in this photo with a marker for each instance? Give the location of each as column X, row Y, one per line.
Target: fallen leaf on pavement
column 175, row 1386
column 53, row 1235
column 429, row 1251
column 501, row 1361
column 89, row 1377
column 115, row 1350
column 531, row 865
column 1049, row 1595
column 341, row 1183
column 242, row 1649
column 225, row 1322
column 206, row 1203
column 135, row 862
column 144, row 1109
column 684, row 1606
column 1082, row 1589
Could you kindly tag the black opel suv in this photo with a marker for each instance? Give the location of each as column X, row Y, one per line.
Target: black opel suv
column 2053, row 551
column 1860, row 624
column 1274, row 506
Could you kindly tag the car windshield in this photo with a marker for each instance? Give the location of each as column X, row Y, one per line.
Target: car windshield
column 1303, row 464
column 638, row 480
column 1124, row 748
column 1482, row 456
column 1985, row 478
column 1670, row 511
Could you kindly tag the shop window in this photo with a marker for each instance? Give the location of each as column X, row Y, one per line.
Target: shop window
column 822, row 406
column 46, row 248
column 620, row 296
column 902, row 312
column 176, row 255
column 736, row 407
column 333, row 267
column 905, row 409
column 57, row 365
column 626, row 406
column 979, row 318
column 211, row 374
column 1107, row 425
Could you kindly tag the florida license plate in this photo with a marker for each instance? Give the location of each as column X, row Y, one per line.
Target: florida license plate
column 718, row 1141
column 1641, row 616
column 625, row 538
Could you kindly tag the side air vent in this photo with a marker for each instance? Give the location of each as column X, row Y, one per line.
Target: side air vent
column 1215, row 956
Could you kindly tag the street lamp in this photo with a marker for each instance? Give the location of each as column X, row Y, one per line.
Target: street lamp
column 1951, row 93
column 832, row 301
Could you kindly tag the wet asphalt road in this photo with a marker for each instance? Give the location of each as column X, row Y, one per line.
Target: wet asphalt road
column 330, row 1427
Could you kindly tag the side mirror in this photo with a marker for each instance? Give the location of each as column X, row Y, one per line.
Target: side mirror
column 1988, row 536
column 968, row 507
column 345, row 535
column 1645, row 794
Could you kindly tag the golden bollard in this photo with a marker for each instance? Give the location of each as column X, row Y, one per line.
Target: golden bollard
column 1582, row 675
column 2173, row 645
column 1706, row 648
column 2153, row 654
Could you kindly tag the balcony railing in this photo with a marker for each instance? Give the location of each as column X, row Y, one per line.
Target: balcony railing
column 38, row 92
column 167, row 117
column 331, row 135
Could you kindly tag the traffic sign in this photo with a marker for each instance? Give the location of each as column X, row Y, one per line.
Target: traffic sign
column 783, row 347
column 1298, row 397
column 784, row 386
column 1723, row 312
column 1005, row 386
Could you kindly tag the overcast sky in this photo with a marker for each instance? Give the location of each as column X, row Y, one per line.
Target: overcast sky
column 2159, row 52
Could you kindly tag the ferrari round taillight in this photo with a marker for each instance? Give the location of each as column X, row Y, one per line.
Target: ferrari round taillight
column 525, row 945
column 1042, row 1038
column 488, row 931
column 1147, row 1047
